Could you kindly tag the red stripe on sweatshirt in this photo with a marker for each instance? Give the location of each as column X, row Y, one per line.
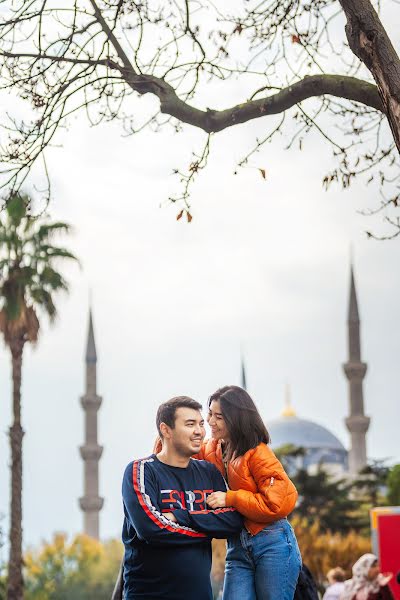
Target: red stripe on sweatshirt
column 173, row 528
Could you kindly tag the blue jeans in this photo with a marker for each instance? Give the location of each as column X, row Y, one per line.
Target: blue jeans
column 265, row 566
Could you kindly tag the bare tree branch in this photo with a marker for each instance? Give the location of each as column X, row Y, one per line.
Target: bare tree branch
column 67, row 56
column 370, row 42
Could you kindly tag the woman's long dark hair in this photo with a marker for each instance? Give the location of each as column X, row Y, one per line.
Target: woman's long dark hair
column 243, row 421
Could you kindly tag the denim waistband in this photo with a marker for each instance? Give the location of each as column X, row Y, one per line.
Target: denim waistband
column 279, row 522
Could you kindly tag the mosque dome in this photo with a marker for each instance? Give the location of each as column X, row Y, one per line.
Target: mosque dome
column 290, row 429
column 321, row 446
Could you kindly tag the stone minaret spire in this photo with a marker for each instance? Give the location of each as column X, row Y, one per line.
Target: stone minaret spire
column 243, row 375
column 357, row 423
column 91, row 503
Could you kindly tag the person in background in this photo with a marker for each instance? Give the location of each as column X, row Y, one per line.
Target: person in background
column 367, row 583
column 335, row 579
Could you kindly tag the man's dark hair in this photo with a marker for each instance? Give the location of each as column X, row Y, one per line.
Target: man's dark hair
column 243, row 421
column 166, row 411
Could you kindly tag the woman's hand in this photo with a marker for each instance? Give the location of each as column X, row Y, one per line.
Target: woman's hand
column 217, row 500
column 170, row 516
column 384, row 578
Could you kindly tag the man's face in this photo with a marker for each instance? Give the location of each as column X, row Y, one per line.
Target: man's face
column 188, row 434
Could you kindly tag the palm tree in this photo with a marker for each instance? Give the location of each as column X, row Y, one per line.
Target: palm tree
column 28, row 283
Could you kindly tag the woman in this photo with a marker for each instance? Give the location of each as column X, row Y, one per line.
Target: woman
column 263, row 562
column 367, row 582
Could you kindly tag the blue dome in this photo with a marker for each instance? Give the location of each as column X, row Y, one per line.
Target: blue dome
column 299, row 432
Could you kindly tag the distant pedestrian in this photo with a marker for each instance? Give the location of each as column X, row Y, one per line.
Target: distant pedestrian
column 335, row 579
column 367, row 582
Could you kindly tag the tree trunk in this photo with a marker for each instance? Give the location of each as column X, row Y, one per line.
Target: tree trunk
column 370, row 42
column 15, row 585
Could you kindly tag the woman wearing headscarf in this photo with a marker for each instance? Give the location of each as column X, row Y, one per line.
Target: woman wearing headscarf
column 367, row 582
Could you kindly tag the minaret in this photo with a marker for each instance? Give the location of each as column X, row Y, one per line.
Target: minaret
column 357, row 423
column 243, row 375
column 91, row 503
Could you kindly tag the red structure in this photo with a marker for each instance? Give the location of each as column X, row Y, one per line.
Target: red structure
column 385, row 526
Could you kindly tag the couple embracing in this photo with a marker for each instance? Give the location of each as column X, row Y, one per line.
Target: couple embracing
column 190, row 491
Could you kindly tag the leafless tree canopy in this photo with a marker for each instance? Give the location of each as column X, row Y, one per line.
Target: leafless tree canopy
column 102, row 56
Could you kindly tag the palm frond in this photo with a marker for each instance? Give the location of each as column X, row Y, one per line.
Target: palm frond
column 47, row 230
column 44, row 299
column 26, row 274
column 53, row 279
column 16, row 207
column 29, row 224
column 28, row 277
column 48, row 251
column 4, row 235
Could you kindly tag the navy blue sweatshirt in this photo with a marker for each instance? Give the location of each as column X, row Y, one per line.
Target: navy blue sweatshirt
column 165, row 559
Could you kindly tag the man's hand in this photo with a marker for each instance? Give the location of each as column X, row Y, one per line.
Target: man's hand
column 217, row 500
column 170, row 516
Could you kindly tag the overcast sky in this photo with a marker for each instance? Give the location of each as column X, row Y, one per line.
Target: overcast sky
column 264, row 266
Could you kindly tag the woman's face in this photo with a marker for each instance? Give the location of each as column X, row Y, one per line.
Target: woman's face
column 373, row 571
column 215, row 419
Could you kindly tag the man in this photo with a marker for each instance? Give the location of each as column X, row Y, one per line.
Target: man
column 167, row 527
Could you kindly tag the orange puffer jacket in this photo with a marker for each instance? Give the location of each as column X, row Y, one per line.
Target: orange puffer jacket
column 259, row 487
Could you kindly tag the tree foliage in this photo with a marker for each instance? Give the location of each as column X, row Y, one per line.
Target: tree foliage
column 81, row 569
column 321, row 550
column 393, row 486
column 370, row 487
column 328, row 501
column 28, row 275
column 102, row 56
column 323, row 498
